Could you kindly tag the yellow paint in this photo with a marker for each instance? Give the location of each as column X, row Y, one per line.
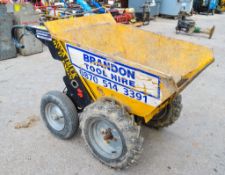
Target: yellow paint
column 70, row 71
column 222, row 5
column 170, row 59
column 134, row 106
column 17, row 7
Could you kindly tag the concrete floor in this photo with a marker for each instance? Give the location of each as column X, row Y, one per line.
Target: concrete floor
column 194, row 145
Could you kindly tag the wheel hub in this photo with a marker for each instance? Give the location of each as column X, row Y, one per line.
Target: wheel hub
column 105, row 138
column 107, row 134
column 55, row 116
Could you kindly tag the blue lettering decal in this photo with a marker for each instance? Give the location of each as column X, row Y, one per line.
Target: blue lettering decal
column 86, row 57
column 122, row 71
column 87, row 66
column 114, row 68
column 114, row 77
column 131, row 74
column 132, row 83
column 99, row 71
column 92, row 59
column 92, row 68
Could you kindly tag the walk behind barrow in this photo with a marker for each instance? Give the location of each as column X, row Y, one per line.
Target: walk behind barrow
column 117, row 78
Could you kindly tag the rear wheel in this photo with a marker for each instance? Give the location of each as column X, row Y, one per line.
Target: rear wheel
column 59, row 114
column 168, row 115
column 111, row 134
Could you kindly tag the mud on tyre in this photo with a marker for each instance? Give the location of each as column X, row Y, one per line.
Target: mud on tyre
column 168, row 115
column 111, row 134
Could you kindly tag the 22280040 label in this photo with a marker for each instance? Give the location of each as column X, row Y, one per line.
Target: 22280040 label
column 131, row 82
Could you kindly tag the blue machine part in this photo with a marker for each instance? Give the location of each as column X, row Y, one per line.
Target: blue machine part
column 86, row 7
column 98, row 6
column 213, row 4
column 64, row 2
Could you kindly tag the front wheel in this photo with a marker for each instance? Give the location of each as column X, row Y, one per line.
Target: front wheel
column 168, row 115
column 111, row 134
column 59, row 114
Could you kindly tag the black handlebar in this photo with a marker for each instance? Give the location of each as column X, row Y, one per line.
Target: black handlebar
column 17, row 40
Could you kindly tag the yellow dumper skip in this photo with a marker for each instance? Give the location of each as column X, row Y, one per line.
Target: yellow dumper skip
column 140, row 69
